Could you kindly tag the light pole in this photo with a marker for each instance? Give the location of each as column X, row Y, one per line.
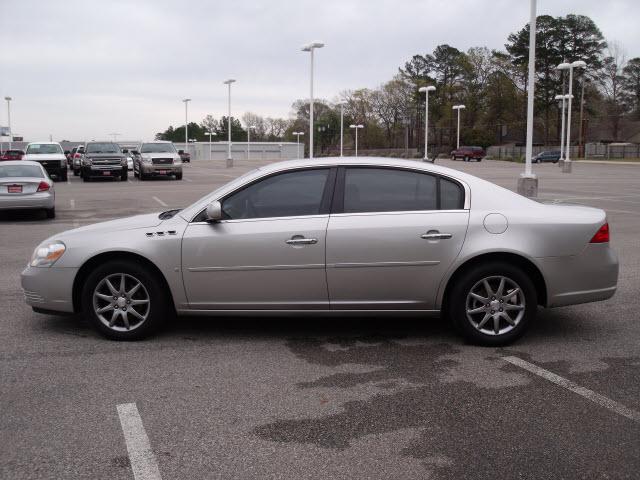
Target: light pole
column 229, row 158
column 458, row 108
column 210, row 133
column 297, row 134
column 426, row 91
column 186, row 125
column 564, row 98
column 8, row 99
column 356, row 127
column 566, row 166
column 249, row 128
column 115, row 136
column 310, row 48
column 528, row 182
column 341, row 126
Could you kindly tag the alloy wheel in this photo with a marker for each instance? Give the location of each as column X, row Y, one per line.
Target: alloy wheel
column 495, row 305
column 121, row 302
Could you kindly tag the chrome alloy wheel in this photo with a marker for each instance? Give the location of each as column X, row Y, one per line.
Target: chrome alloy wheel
column 121, row 302
column 495, row 305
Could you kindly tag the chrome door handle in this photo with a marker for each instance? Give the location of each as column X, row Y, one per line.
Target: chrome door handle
column 436, row 236
column 301, row 241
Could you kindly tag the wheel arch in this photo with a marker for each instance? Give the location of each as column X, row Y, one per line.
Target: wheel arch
column 101, row 258
column 520, row 261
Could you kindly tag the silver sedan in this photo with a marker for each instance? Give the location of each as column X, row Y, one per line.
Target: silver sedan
column 26, row 185
column 333, row 236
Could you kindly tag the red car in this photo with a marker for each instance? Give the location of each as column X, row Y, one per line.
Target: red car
column 468, row 153
column 12, row 155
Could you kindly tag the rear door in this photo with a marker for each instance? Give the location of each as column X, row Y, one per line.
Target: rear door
column 393, row 235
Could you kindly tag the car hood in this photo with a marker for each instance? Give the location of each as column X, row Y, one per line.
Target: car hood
column 159, row 155
column 45, row 156
column 122, row 224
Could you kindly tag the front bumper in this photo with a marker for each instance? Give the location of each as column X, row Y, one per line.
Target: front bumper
column 158, row 169
column 590, row 276
column 34, row 200
column 49, row 288
column 94, row 171
column 54, row 167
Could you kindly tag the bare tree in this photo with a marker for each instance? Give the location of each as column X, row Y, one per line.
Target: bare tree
column 611, row 80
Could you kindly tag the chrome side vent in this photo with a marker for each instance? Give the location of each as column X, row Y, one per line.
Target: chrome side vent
column 161, row 234
column 149, row 234
column 172, row 232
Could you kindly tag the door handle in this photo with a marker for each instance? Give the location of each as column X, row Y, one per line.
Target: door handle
column 436, row 236
column 299, row 240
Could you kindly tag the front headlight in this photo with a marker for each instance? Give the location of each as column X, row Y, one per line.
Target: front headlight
column 86, row 161
column 48, row 254
column 146, row 160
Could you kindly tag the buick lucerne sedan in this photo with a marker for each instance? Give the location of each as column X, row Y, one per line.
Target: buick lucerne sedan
column 333, row 236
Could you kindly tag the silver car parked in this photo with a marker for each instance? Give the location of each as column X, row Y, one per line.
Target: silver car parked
column 336, row 236
column 26, row 185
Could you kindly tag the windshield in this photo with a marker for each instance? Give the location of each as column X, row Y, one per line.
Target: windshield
column 43, row 148
column 157, row 148
column 102, row 148
column 20, row 171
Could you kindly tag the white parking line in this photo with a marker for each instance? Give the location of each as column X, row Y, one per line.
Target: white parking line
column 188, row 180
column 601, row 400
column 143, row 462
column 160, row 201
column 73, row 203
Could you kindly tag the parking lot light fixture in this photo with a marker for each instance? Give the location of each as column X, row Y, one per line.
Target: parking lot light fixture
column 458, row 108
column 566, row 166
column 342, row 104
column 528, row 182
column 210, row 133
column 297, row 134
column 562, row 98
column 229, row 158
column 186, row 124
column 356, row 128
column 249, row 128
column 310, row 48
column 8, row 99
column 426, row 91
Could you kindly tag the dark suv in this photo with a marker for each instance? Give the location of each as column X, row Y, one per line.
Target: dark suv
column 103, row 160
column 468, row 153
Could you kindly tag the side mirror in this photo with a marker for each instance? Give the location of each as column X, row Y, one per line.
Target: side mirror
column 135, row 152
column 214, row 212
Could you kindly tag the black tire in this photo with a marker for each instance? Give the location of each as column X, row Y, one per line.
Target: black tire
column 86, row 179
column 135, row 174
column 142, row 176
column 453, row 157
column 76, row 173
column 50, row 212
column 459, row 297
column 125, row 175
column 159, row 306
column 179, row 176
column 466, row 159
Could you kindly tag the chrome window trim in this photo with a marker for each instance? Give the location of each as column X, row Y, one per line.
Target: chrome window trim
column 465, row 186
column 269, row 219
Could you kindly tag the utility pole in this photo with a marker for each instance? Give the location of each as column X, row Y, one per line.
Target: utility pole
column 581, row 150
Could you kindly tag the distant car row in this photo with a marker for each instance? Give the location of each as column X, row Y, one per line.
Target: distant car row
column 105, row 160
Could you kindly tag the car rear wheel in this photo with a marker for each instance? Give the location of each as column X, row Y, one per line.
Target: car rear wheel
column 125, row 175
column 492, row 304
column 124, row 301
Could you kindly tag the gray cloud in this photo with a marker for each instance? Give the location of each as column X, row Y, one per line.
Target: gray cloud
column 81, row 69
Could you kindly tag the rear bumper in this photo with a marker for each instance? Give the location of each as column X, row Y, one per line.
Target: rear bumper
column 27, row 201
column 49, row 288
column 590, row 276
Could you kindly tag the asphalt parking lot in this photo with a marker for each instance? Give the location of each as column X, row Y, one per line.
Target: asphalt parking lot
column 314, row 398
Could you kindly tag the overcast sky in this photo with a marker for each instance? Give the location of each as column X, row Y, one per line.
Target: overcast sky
column 80, row 69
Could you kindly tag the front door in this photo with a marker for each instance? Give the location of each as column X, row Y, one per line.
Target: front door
column 395, row 235
column 268, row 252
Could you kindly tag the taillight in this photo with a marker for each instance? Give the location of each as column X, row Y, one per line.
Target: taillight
column 602, row 235
column 43, row 187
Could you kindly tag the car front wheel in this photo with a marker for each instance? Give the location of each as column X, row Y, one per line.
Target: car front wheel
column 124, row 301
column 492, row 304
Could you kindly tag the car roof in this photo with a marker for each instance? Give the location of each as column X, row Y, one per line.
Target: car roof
column 20, row 162
column 43, row 143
